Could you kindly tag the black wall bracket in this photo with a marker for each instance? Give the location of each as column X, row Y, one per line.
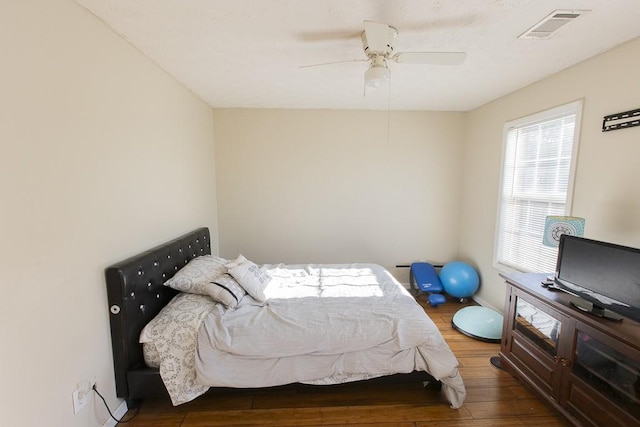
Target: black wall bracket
column 626, row 119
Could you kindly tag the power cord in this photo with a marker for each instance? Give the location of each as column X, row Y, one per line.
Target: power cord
column 118, row 421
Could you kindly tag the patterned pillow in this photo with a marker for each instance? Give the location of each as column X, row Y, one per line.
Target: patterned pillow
column 226, row 290
column 173, row 333
column 250, row 276
column 197, row 276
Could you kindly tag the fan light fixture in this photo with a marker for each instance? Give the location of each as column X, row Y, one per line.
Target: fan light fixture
column 378, row 73
column 375, row 76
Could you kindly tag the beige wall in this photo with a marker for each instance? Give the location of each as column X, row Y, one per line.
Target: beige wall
column 335, row 186
column 606, row 189
column 102, row 155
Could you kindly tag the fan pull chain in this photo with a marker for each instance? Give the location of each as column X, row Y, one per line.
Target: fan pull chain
column 389, row 111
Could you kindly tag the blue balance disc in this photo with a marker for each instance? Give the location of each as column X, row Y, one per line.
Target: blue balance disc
column 479, row 322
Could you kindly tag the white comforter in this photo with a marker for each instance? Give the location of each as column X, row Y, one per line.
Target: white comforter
column 324, row 324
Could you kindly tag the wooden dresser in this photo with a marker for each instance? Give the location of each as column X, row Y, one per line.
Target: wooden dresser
column 585, row 366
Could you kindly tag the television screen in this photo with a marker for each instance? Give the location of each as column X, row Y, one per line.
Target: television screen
column 605, row 274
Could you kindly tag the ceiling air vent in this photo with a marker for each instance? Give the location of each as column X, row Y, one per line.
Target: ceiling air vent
column 552, row 23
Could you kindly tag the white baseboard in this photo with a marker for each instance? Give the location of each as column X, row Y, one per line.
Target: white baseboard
column 120, row 411
column 485, row 303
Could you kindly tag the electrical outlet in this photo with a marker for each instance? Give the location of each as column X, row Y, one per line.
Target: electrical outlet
column 81, row 396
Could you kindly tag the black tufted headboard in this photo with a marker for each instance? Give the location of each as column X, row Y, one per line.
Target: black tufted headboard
column 136, row 293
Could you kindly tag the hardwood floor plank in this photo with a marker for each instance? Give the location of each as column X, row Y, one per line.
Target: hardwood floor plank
column 509, row 408
column 323, row 416
column 497, row 394
column 471, row 361
column 557, row 421
column 499, row 422
column 392, row 424
column 500, row 381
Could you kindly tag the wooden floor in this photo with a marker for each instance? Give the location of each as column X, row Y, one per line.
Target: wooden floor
column 494, row 398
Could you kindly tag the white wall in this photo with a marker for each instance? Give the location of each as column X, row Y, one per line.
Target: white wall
column 606, row 190
column 102, row 155
column 299, row 186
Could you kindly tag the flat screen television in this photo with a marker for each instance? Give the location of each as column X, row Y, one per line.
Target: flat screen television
column 604, row 275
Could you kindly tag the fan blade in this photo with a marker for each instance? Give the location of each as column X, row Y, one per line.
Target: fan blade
column 377, row 36
column 433, row 58
column 335, row 62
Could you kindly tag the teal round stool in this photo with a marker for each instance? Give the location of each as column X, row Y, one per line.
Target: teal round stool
column 479, row 322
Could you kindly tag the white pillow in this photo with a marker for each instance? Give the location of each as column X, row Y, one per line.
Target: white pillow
column 197, row 275
column 250, row 276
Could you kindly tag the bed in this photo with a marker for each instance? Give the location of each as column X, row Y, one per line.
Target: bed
column 138, row 298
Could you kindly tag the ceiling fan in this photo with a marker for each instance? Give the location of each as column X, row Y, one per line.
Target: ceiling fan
column 378, row 41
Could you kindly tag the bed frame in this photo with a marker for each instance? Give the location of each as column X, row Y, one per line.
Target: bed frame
column 136, row 294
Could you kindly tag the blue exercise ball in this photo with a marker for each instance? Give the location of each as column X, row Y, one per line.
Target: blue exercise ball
column 459, row 279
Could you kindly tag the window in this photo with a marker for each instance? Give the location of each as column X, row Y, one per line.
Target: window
column 537, row 176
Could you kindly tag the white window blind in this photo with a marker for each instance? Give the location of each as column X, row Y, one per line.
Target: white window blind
column 536, row 176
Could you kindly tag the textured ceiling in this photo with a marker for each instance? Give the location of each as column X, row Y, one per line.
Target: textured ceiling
column 248, row 53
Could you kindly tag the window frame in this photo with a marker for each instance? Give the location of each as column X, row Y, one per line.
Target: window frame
column 574, row 107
